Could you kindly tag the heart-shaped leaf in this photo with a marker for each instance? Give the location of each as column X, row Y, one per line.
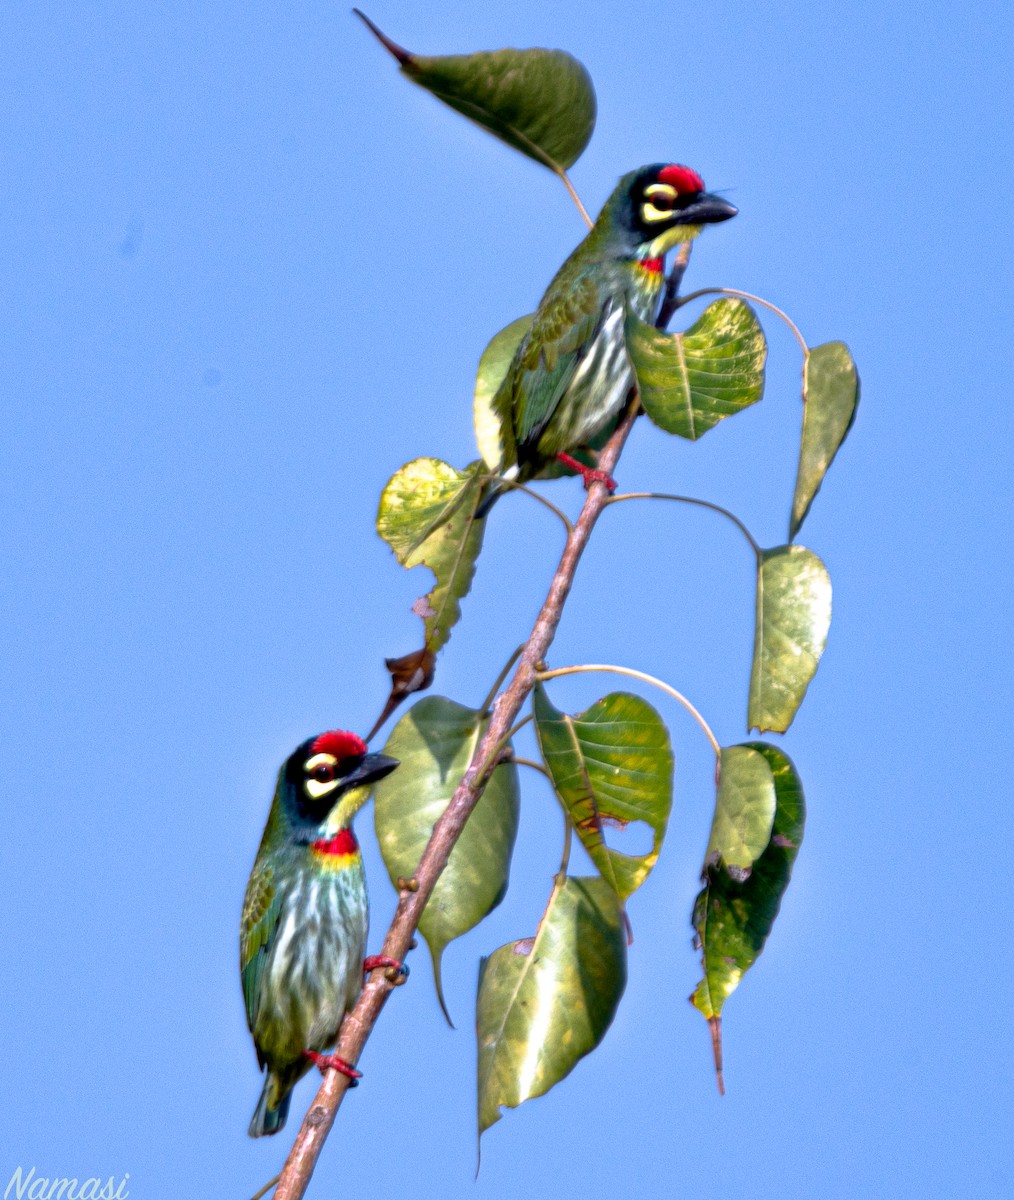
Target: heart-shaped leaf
column 830, row 398
column 427, row 516
column 545, row 1002
column 541, row 102
column 610, row 765
column 434, row 742
column 689, row 381
column 793, row 617
column 733, row 917
column 744, row 810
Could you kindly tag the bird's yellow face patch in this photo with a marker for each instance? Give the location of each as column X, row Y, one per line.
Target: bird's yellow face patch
column 321, row 775
column 659, row 202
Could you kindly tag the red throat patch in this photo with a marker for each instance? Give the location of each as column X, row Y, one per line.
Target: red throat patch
column 654, row 265
column 683, row 179
column 341, row 845
column 340, row 743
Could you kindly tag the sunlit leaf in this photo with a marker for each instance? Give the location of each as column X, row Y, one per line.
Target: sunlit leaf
column 830, row 397
column 496, row 358
column 690, row 381
column 427, row 516
column 793, row 617
column 545, row 1002
column 434, row 742
column 541, row 102
column 610, row 765
column 744, row 810
column 732, row 917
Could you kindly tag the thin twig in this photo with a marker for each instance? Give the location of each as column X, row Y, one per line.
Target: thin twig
column 713, row 291
column 574, row 196
column 670, row 299
column 530, row 762
column 266, row 1188
column 692, row 500
column 520, row 487
column 504, row 672
column 559, row 672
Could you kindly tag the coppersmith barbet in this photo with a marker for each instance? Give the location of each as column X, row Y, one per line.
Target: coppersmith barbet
column 305, row 916
column 570, row 374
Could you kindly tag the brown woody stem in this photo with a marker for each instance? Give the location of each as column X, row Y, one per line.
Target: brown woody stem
column 359, row 1023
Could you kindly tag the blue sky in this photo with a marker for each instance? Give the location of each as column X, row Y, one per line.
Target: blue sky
column 248, row 273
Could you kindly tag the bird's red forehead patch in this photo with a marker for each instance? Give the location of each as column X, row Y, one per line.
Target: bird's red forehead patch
column 340, row 743
column 681, row 178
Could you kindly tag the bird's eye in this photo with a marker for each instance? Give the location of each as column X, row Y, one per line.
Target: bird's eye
column 659, row 202
column 321, row 775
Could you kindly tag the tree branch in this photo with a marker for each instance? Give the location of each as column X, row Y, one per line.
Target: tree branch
column 359, row 1023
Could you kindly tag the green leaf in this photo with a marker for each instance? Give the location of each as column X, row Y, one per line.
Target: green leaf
column 545, row 1002
column 434, row 742
column 830, row 397
column 610, row 765
column 793, row 616
column 427, row 516
column 732, row 917
column 690, row 381
column 744, row 810
column 541, row 102
column 496, row 358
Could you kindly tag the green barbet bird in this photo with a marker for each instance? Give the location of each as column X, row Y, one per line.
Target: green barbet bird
column 570, row 374
column 305, row 916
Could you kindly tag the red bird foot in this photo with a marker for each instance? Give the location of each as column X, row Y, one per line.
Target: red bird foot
column 331, row 1062
column 396, row 972
column 590, row 475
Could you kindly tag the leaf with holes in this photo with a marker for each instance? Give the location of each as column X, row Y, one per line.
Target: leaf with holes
column 610, row 766
column 434, row 742
column 690, row 381
column 830, row 398
column 545, row 1002
column 427, row 516
column 793, row 616
column 744, row 810
column 541, row 102
column 733, row 917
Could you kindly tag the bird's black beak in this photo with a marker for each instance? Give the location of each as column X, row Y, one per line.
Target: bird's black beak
column 707, row 210
column 372, row 768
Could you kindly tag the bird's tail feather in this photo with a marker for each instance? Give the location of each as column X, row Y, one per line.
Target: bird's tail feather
column 268, row 1120
column 492, row 492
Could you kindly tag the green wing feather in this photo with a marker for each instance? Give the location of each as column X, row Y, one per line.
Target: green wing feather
column 565, row 325
column 258, row 927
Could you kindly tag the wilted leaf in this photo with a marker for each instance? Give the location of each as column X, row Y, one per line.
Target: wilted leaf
column 427, row 516
column 541, row 102
column 610, row 765
column 689, row 381
column 434, row 742
column 744, row 810
column 544, row 1003
column 496, row 358
column 733, row 918
column 793, row 617
column 410, row 673
column 830, row 397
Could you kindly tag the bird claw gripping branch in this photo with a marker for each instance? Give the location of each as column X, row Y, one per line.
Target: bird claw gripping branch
column 332, row 1062
column 396, row 972
column 590, row 475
